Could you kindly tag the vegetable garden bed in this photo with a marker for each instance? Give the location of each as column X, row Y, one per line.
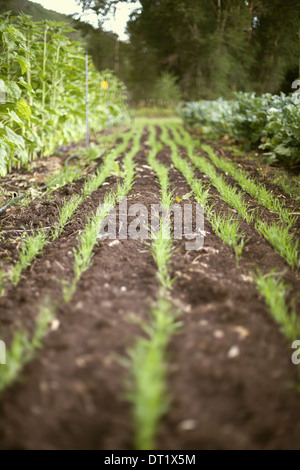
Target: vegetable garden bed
column 153, row 346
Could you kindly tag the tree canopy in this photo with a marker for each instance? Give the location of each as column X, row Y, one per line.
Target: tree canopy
column 213, row 47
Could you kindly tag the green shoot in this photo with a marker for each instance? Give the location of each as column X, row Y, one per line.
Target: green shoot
column 65, row 214
column 32, row 245
column 275, row 292
column 228, row 230
column 23, row 348
column 282, row 241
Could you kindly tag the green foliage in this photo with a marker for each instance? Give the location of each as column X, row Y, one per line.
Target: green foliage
column 288, row 183
column 83, row 253
column 161, row 249
column 147, row 358
column 269, row 121
column 279, row 236
column 225, row 226
column 42, row 85
column 214, row 47
column 229, row 194
column 166, row 91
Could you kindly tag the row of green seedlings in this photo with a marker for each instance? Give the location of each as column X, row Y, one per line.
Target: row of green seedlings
column 33, row 244
column 225, row 226
column 273, row 232
column 147, row 358
column 83, row 254
column 256, row 190
column 278, row 236
column 23, row 347
column 71, row 173
column 271, row 287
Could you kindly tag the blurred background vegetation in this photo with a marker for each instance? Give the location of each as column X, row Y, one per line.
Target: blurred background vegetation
column 191, row 49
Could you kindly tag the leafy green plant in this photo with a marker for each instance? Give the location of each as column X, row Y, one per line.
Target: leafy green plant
column 167, row 93
column 269, row 121
column 42, row 88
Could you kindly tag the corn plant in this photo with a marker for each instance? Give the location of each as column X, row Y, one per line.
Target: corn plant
column 42, row 89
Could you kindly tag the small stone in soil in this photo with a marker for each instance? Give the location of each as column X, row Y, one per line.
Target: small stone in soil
column 188, row 425
column 233, row 352
column 218, row 334
column 114, row 243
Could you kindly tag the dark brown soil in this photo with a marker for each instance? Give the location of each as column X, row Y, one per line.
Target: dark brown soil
column 231, row 376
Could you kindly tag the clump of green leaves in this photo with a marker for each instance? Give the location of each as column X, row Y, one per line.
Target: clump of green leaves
column 42, row 91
